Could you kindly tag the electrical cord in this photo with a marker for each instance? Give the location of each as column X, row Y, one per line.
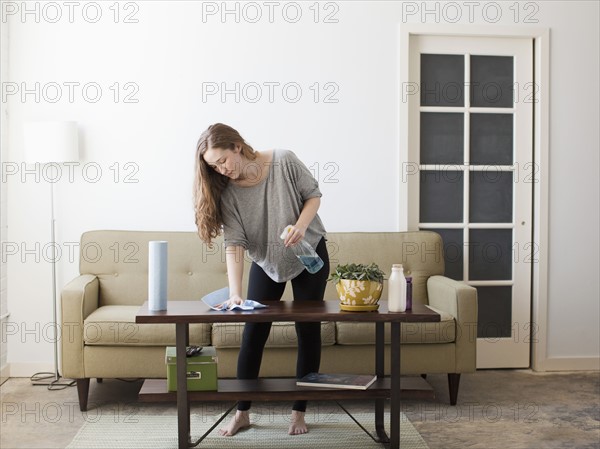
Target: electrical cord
column 56, row 384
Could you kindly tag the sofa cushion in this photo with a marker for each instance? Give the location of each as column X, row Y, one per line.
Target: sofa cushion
column 116, row 326
column 349, row 333
column 282, row 335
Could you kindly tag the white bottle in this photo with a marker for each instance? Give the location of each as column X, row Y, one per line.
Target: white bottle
column 397, row 289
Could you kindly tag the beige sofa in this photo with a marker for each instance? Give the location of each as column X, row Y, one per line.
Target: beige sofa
column 101, row 339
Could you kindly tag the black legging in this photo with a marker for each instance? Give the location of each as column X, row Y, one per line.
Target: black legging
column 306, row 287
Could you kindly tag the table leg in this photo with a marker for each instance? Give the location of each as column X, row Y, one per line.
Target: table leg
column 183, row 403
column 395, row 387
column 380, row 372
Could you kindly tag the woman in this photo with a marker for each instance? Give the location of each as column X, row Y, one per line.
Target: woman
column 251, row 197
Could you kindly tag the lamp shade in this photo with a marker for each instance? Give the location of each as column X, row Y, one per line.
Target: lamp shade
column 50, row 141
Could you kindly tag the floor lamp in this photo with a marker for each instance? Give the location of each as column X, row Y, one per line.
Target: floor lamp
column 50, row 143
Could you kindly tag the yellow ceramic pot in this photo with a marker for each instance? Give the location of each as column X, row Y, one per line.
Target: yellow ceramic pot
column 359, row 295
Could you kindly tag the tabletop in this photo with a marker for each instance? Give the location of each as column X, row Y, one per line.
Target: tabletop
column 198, row 312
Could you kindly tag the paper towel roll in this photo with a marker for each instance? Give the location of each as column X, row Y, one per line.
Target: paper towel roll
column 157, row 275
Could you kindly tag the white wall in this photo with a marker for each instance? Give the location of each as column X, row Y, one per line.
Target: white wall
column 171, row 53
column 3, row 207
column 574, row 298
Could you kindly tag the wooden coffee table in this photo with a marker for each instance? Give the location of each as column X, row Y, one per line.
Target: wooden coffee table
column 183, row 313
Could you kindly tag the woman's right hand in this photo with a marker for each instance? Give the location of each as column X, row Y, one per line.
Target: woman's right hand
column 233, row 300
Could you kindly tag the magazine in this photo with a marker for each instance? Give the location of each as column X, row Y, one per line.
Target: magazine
column 352, row 381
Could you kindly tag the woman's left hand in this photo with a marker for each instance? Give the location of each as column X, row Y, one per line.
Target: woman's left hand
column 294, row 235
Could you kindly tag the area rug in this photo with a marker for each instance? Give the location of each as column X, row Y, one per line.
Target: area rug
column 266, row 432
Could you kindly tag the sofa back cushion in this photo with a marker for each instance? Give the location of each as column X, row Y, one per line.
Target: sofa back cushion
column 420, row 253
column 120, row 261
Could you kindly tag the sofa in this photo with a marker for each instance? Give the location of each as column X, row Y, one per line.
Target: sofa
column 100, row 338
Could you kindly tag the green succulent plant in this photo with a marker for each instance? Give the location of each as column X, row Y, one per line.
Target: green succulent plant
column 358, row 272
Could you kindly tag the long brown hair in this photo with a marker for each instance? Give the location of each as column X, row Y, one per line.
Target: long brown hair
column 208, row 183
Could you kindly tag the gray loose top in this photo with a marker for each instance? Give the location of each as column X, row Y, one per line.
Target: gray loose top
column 254, row 217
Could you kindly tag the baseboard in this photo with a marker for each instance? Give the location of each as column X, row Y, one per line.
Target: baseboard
column 21, row 369
column 570, row 364
column 4, row 373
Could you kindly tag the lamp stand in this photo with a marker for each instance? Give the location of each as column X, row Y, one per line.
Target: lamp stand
column 52, row 380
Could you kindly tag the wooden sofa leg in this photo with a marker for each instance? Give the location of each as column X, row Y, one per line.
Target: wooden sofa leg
column 83, row 388
column 453, row 382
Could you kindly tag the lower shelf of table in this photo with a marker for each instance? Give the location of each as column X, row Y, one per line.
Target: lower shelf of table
column 278, row 389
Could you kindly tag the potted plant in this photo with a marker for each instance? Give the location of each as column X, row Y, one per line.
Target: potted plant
column 359, row 286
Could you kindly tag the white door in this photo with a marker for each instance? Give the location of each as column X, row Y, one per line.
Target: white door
column 471, row 137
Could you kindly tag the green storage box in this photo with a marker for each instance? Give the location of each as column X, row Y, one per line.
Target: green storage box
column 201, row 370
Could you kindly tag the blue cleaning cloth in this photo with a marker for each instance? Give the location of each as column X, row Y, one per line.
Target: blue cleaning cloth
column 219, row 296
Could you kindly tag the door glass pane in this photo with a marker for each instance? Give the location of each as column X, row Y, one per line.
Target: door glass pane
column 490, row 254
column 494, row 305
column 441, row 198
column 492, row 81
column 453, row 252
column 442, row 80
column 491, row 196
column 442, row 138
column 491, row 139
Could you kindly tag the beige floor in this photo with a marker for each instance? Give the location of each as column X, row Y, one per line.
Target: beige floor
column 496, row 409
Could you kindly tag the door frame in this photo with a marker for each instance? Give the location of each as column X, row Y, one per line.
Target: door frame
column 539, row 269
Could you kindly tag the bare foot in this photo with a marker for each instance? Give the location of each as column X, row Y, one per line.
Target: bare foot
column 298, row 425
column 239, row 421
